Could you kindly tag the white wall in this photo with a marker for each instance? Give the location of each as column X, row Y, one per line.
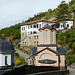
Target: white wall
column 2, row 59
column 67, row 22
column 34, row 29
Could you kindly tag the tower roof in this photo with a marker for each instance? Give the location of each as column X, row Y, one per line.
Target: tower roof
column 6, row 46
column 47, row 26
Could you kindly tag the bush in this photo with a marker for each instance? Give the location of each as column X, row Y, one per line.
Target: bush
column 18, row 46
column 17, row 62
column 16, row 54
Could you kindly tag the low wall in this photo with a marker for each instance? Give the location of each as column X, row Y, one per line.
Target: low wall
column 24, row 70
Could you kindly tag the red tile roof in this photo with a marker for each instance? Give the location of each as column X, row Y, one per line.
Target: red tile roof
column 35, row 22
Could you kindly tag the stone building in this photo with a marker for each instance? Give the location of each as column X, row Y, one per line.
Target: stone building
column 47, row 53
column 6, row 53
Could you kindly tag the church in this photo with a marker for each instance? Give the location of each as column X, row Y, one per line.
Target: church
column 47, row 53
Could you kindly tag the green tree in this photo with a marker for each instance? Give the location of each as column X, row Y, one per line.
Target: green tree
column 62, row 12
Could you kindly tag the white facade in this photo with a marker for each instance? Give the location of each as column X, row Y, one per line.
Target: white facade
column 66, row 25
column 6, row 59
column 29, row 31
column 33, row 28
column 2, row 59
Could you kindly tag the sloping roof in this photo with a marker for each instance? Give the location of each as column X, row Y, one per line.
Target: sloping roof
column 31, row 57
column 33, row 50
column 47, row 26
column 46, row 45
column 48, row 49
column 6, row 46
column 34, row 22
column 61, row 50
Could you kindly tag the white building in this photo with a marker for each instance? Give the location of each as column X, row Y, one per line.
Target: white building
column 29, row 31
column 67, row 24
column 6, row 53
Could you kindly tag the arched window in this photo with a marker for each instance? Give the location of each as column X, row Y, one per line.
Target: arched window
column 33, row 62
column 30, row 62
column 6, row 60
column 61, row 26
column 34, row 32
column 67, row 25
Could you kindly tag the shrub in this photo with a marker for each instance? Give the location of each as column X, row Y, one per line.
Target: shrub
column 17, row 62
column 16, row 54
column 18, row 46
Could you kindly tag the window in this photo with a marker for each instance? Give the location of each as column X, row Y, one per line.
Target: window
column 31, row 32
column 61, row 26
column 28, row 27
column 52, row 36
column 37, row 36
column 6, row 60
column 34, row 37
column 37, row 41
column 46, row 35
column 34, row 41
column 22, row 34
column 31, row 26
column 37, row 25
column 29, row 37
column 67, row 25
column 34, row 26
column 33, row 62
column 34, row 32
column 30, row 61
column 40, row 25
column 22, row 29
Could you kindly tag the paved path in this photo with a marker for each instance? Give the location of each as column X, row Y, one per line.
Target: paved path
column 24, row 55
column 72, row 71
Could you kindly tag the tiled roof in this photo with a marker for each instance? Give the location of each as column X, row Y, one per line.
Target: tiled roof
column 61, row 50
column 48, row 49
column 47, row 26
column 6, row 46
column 31, row 57
column 33, row 50
column 41, row 45
column 35, row 22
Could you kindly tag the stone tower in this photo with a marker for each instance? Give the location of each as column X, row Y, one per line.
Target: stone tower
column 47, row 38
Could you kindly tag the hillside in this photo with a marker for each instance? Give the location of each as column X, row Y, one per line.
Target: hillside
column 67, row 40
column 15, row 30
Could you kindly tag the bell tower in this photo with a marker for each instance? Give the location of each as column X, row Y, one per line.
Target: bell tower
column 47, row 37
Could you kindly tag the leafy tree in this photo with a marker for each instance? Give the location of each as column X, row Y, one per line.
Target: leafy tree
column 62, row 12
